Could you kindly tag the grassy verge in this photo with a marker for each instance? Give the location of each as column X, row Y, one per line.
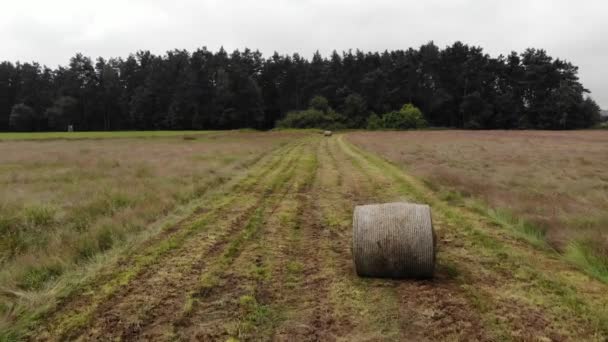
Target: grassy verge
column 586, row 254
column 99, row 135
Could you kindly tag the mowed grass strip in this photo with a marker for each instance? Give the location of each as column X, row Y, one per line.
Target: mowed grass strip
column 274, row 264
column 263, row 263
column 503, row 271
column 363, row 307
column 231, row 278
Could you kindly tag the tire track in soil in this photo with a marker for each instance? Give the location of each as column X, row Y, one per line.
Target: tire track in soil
column 343, row 188
column 108, row 318
column 303, row 300
column 332, row 243
column 213, row 308
column 161, row 291
column 159, row 299
column 323, row 252
column 367, row 310
column 293, row 265
column 303, row 296
column 277, row 248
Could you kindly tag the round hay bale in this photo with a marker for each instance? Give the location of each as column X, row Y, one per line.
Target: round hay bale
column 327, row 133
column 393, row 240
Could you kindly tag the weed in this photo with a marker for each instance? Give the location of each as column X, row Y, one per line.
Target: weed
column 452, row 197
column 449, row 268
column 585, row 254
column 12, row 238
column 255, row 316
column 36, row 276
column 86, row 248
column 188, row 306
column 526, row 230
column 105, row 238
column 295, row 267
column 38, row 216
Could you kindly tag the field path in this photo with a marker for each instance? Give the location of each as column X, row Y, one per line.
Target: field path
column 268, row 258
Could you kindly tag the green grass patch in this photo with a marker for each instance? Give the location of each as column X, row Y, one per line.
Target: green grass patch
column 35, row 277
column 99, row 135
column 585, row 255
column 454, row 198
column 256, row 318
column 523, row 229
column 448, row 268
column 38, row 216
column 250, row 229
column 294, row 273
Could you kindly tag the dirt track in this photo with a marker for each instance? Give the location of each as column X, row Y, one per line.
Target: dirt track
column 268, row 258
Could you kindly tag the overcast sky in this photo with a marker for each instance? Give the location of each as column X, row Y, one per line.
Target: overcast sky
column 50, row 32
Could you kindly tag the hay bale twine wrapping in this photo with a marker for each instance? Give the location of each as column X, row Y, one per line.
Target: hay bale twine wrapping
column 393, row 240
column 327, row 133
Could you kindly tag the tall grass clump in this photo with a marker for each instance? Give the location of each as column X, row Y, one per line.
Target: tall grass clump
column 11, row 242
column 591, row 255
column 22, row 230
column 39, row 216
column 35, row 277
column 524, row 229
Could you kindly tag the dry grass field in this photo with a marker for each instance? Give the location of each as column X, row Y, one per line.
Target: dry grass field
column 67, row 205
column 247, row 236
column 556, row 181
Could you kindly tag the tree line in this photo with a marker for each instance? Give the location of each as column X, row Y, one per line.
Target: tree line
column 458, row 86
